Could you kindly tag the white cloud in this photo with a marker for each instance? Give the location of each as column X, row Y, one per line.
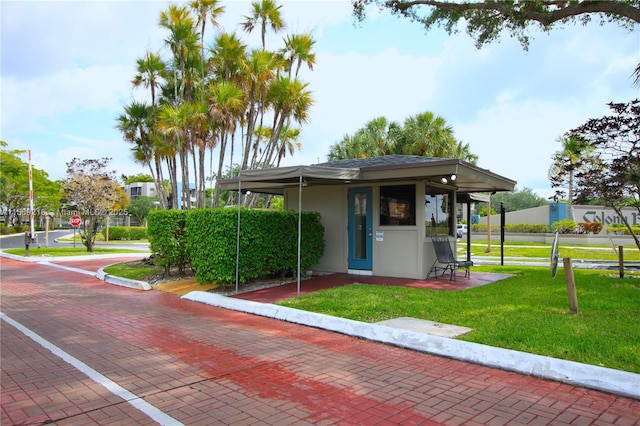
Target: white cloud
column 66, row 68
column 25, row 103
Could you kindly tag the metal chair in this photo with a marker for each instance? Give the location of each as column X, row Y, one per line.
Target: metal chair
column 445, row 256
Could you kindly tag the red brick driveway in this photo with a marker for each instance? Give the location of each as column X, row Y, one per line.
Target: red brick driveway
column 134, row 357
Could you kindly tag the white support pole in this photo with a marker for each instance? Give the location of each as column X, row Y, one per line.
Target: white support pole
column 299, row 229
column 238, row 237
column 33, row 232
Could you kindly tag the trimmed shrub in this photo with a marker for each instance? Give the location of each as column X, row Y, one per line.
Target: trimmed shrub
column 526, row 228
column 268, row 243
column 565, row 226
column 125, row 233
column 168, row 238
column 620, row 229
column 513, row 227
column 590, row 227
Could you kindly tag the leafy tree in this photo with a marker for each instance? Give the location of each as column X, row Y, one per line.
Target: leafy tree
column 519, row 199
column 486, row 20
column 424, row 134
column 140, row 208
column 483, row 211
column 14, row 188
column 613, row 172
column 95, row 192
column 140, row 177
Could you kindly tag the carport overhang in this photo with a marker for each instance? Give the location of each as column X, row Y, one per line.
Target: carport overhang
column 468, row 183
column 469, row 179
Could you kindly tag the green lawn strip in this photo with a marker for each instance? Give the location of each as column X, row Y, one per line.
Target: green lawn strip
column 131, row 271
column 67, row 251
column 544, row 251
column 99, row 239
column 528, row 312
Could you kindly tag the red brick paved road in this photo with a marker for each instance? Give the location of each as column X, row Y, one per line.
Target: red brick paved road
column 203, row 365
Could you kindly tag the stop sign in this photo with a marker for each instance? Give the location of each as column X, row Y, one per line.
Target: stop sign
column 75, row 221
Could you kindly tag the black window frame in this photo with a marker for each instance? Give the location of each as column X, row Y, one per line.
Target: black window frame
column 398, row 205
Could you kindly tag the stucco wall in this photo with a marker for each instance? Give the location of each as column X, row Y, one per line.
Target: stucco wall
column 397, row 254
column 542, row 214
column 331, row 203
column 398, row 251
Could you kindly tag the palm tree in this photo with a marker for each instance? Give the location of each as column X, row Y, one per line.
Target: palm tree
column 183, row 42
column 137, row 127
column 289, row 100
column 463, row 152
column 428, row 135
column 288, row 143
column 228, row 56
column 227, row 104
column 259, row 73
column 204, row 9
column 264, row 12
column 200, row 135
column 297, row 51
column 566, row 162
column 173, row 122
column 149, row 74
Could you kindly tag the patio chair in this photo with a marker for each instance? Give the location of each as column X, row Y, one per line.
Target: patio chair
column 445, row 256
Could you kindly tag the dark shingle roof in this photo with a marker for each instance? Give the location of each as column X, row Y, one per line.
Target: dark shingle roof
column 387, row 161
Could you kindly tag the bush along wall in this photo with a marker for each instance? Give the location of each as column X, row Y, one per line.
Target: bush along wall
column 126, row 233
column 513, row 227
column 268, row 243
column 168, row 238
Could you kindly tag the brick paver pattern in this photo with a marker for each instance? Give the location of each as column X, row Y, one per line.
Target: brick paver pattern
column 203, row 365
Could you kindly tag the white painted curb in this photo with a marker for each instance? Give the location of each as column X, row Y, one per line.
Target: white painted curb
column 69, row 258
column 123, row 282
column 101, row 275
column 590, row 376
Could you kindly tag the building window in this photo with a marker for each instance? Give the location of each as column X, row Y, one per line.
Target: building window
column 398, row 205
column 135, row 192
column 438, row 214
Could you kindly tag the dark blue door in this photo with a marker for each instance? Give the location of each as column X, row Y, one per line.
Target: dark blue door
column 360, row 229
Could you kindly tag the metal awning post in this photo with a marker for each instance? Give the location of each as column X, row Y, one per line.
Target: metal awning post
column 299, row 229
column 238, row 236
column 469, row 229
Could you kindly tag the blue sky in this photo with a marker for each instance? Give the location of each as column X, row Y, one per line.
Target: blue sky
column 66, row 68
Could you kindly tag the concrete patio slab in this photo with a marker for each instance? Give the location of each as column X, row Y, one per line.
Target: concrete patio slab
column 427, row 327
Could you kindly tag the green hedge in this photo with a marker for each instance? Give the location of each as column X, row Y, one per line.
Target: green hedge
column 513, row 227
column 126, row 233
column 167, row 237
column 268, row 243
column 15, row 229
column 564, row 226
column 621, row 229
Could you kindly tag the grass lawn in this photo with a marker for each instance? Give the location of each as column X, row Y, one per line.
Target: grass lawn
column 131, row 271
column 67, row 251
column 541, row 250
column 528, row 312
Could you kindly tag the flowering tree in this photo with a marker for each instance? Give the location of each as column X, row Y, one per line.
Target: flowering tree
column 613, row 173
column 94, row 192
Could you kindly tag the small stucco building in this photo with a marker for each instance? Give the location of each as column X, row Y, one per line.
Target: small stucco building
column 379, row 213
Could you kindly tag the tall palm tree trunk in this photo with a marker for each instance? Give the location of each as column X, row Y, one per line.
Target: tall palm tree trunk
column 223, row 148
